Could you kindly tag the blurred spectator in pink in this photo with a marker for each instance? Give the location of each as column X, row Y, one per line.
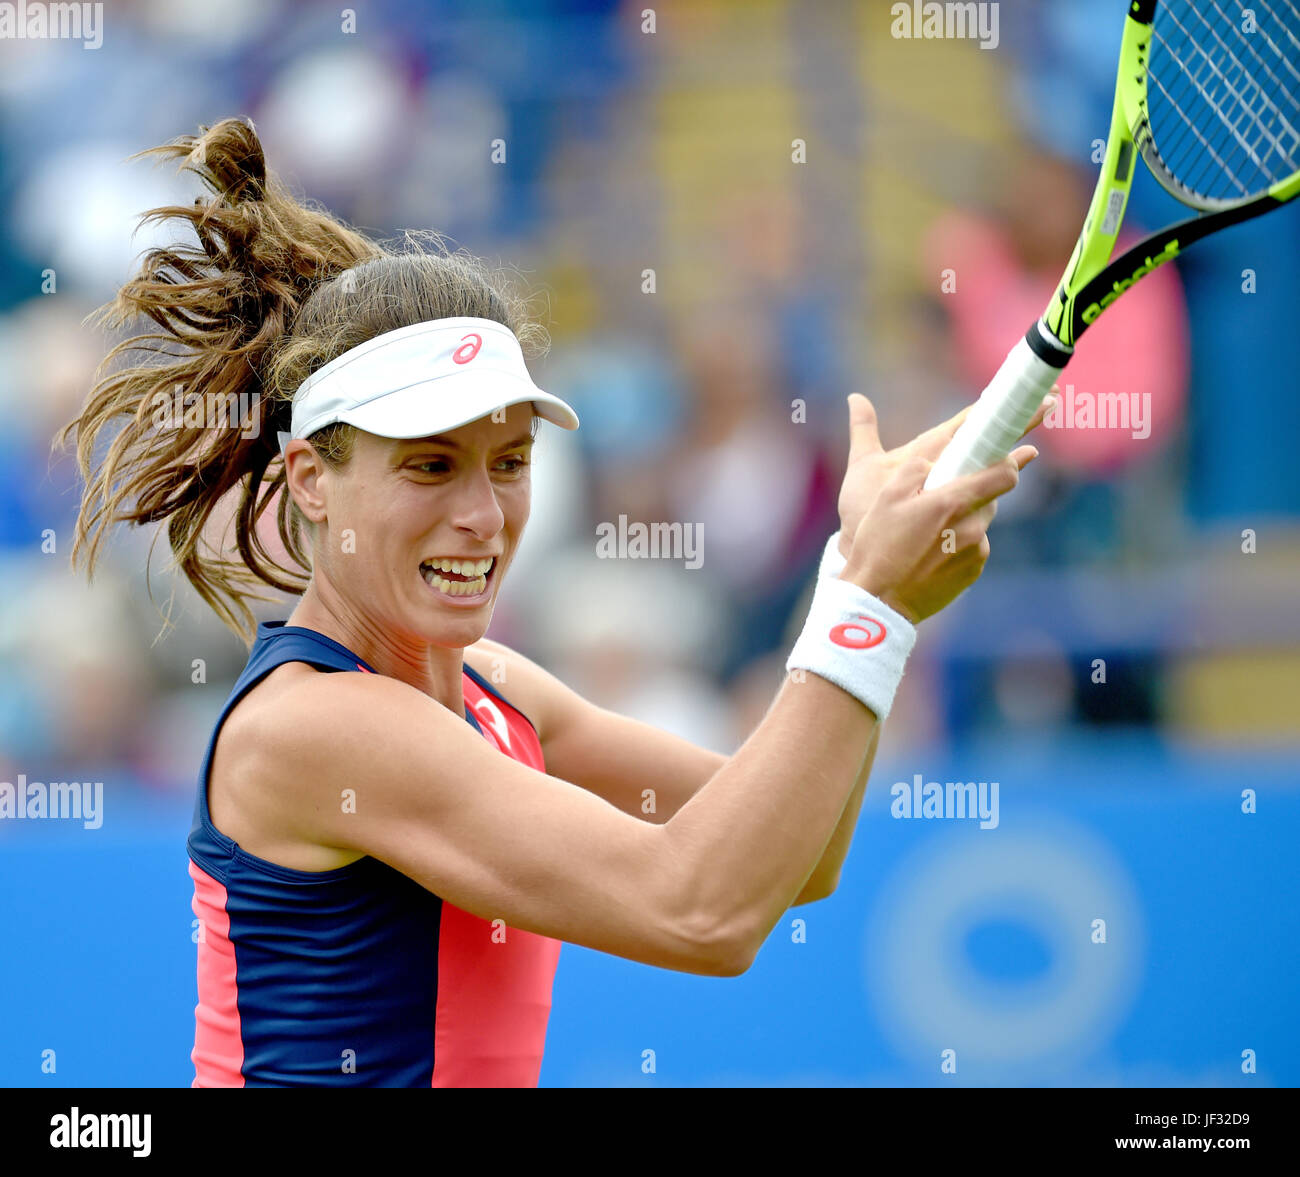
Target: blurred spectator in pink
column 997, row 272
column 1005, row 269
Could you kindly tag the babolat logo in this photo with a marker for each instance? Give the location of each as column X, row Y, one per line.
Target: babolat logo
column 1118, row 288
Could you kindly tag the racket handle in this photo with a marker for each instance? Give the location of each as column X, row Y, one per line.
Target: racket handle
column 996, row 423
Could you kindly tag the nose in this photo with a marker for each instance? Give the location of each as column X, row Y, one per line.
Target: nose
column 475, row 509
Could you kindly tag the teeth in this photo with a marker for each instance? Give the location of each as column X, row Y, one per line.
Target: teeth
column 456, row 588
column 461, row 567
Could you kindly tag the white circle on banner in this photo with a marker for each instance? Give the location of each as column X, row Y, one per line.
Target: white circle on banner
column 1055, row 880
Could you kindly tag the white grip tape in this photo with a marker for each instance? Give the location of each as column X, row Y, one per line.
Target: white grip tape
column 997, row 422
column 856, row 642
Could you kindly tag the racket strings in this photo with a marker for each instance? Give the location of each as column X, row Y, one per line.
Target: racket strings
column 1224, row 110
column 1291, row 36
column 1229, row 73
column 1229, row 129
column 1170, row 151
column 1232, row 72
column 1278, row 84
column 1294, row 43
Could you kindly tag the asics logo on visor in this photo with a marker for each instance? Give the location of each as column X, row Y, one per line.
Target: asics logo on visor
column 861, row 634
column 467, row 351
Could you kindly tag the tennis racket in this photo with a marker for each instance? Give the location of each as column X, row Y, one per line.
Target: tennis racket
column 1208, row 94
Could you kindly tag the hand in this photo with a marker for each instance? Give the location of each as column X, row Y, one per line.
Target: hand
column 870, row 465
column 916, row 549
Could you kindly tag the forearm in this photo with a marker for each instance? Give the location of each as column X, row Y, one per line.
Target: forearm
column 826, row 874
column 749, row 840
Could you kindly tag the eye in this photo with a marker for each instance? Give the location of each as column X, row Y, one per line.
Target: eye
column 513, row 464
column 432, row 466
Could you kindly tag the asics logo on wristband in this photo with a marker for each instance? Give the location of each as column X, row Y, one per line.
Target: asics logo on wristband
column 861, row 634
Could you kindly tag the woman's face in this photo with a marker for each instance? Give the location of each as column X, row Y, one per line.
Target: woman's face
column 416, row 535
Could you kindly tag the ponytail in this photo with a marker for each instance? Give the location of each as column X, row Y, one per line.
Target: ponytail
column 273, row 290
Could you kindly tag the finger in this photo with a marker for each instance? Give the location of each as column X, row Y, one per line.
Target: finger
column 1023, row 455
column 972, row 491
column 930, row 444
column 968, row 533
column 970, row 528
column 864, row 433
column 1048, row 403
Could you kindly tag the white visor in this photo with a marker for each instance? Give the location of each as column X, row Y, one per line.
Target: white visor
column 421, row 380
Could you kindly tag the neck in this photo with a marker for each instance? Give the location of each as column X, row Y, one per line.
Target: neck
column 433, row 670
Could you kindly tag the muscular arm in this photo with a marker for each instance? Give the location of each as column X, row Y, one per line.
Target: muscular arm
column 637, row 768
column 368, row 764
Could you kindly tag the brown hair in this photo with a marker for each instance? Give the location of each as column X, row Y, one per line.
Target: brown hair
column 275, row 289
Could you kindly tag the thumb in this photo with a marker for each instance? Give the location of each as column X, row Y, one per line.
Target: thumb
column 932, row 442
column 864, row 434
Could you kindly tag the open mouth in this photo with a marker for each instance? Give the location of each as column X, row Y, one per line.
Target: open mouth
column 456, row 577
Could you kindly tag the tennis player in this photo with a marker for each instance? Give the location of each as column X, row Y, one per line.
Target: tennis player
column 398, row 821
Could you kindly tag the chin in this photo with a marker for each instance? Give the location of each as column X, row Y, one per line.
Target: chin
column 456, row 632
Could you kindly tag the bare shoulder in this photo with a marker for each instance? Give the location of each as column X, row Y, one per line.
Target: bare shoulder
column 301, row 714
column 258, row 730
column 253, row 780
column 282, row 747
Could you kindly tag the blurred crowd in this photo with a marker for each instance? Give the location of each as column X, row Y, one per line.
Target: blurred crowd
column 711, row 298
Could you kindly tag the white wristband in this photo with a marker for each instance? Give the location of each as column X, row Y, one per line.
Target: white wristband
column 832, row 561
column 855, row 641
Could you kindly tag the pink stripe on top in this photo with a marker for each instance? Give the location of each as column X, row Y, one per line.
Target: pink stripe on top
column 218, row 1053
column 494, row 981
column 494, row 1000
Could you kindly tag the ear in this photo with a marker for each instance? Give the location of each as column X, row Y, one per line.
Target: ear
column 304, row 476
